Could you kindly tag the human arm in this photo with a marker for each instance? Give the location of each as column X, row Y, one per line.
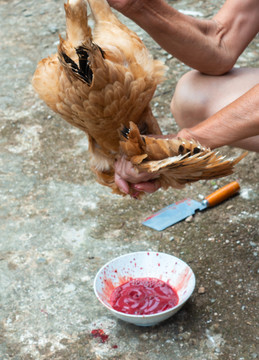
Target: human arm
column 237, row 121
column 210, row 46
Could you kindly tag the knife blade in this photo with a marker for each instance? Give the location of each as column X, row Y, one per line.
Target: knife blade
column 180, row 210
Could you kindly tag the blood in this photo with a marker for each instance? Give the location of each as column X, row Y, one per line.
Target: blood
column 143, row 296
column 101, row 334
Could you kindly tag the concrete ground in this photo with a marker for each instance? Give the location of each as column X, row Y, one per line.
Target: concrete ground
column 58, row 226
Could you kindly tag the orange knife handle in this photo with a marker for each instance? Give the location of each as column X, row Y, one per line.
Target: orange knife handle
column 222, row 194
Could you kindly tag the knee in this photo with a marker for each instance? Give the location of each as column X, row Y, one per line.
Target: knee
column 188, row 104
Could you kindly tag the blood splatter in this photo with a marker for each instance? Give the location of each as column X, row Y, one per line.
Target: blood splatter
column 99, row 333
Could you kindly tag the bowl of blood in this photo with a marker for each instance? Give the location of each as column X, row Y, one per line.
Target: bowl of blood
column 144, row 288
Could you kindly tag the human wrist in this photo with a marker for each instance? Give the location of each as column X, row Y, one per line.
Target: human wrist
column 191, row 134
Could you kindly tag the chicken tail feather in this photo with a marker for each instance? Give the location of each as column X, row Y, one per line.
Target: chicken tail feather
column 83, row 70
column 125, row 132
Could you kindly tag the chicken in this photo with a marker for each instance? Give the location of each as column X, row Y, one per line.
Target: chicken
column 102, row 80
column 99, row 81
column 175, row 161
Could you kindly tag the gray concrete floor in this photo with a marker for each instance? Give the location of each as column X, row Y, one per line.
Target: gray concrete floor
column 58, row 226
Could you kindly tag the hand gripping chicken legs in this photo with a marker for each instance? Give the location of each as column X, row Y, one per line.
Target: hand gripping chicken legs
column 102, row 81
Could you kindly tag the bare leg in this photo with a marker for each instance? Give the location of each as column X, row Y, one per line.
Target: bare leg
column 199, row 96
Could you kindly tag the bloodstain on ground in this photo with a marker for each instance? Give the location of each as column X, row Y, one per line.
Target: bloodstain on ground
column 99, row 333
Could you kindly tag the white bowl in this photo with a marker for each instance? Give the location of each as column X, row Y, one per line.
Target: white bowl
column 165, row 267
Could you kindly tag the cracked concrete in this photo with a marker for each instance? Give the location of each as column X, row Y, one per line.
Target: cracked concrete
column 58, row 226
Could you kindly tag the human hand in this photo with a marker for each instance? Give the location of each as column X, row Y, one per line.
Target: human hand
column 131, row 182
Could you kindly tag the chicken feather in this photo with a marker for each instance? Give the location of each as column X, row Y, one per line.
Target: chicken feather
column 99, row 80
column 103, row 79
column 175, row 161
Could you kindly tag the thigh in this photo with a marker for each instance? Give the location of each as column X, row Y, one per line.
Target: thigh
column 220, row 91
column 198, row 96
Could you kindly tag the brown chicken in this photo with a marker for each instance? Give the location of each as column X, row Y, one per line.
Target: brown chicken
column 99, row 82
column 102, row 80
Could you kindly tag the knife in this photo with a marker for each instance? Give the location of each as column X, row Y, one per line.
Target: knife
column 180, row 210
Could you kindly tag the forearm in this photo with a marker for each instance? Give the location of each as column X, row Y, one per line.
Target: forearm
column 209, row 46
column 239, row 120
column 191, row 40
